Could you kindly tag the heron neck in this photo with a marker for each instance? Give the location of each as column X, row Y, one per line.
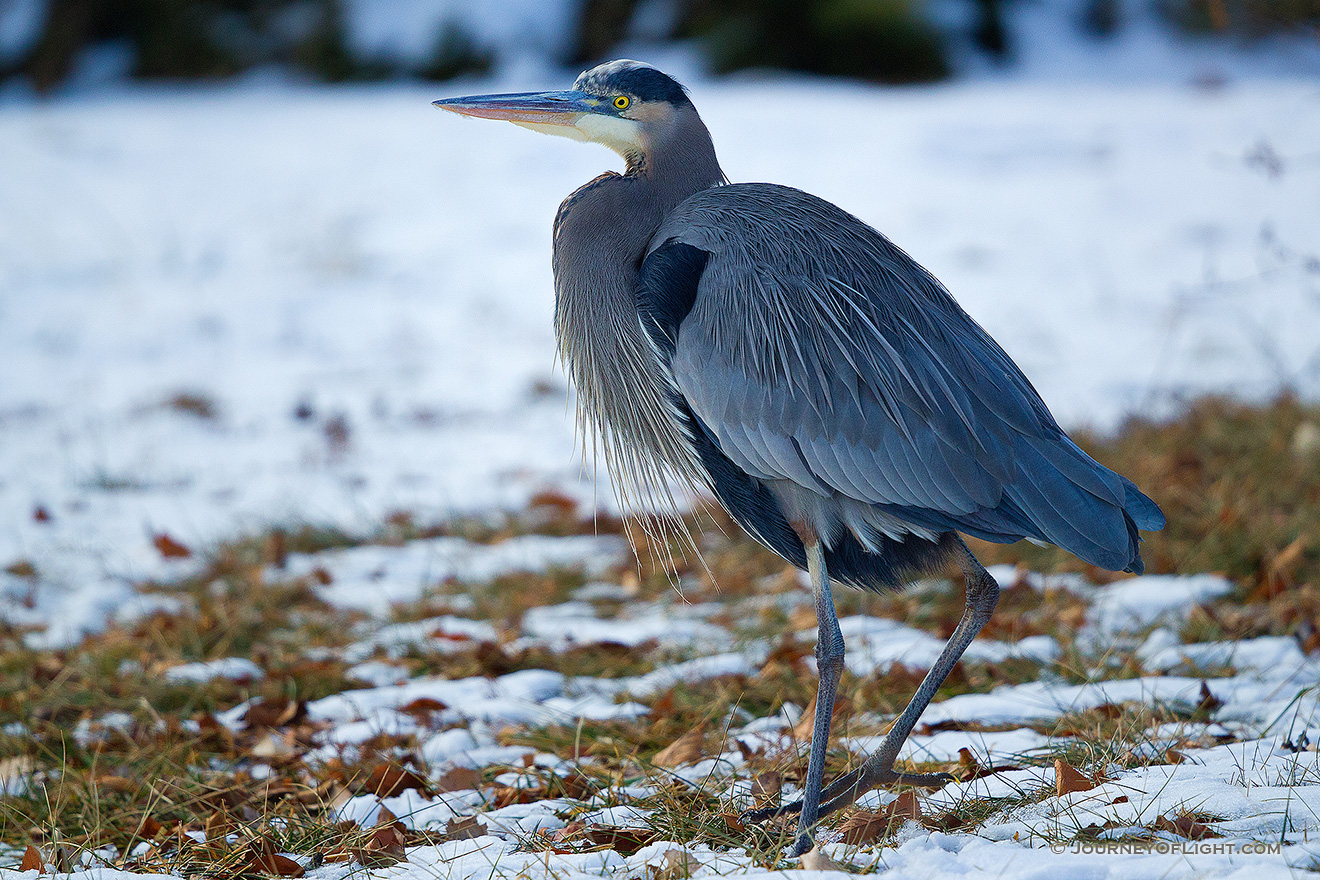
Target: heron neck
column 601, row 237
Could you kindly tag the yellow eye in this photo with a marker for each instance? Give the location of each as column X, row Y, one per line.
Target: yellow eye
column 622, row 102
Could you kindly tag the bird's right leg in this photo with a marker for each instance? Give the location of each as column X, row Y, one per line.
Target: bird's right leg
column 829, row 665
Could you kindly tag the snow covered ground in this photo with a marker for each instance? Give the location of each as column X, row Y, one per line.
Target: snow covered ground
column 1245, row 785
column 226, row 309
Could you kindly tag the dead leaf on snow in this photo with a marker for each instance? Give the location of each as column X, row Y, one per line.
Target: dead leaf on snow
column 1068, row 779
column 1185, row 826
column 969, row 768
column 169, row 548
column 31, row 860
column 865, row 826
column 219, row 825
column 464, row 829
column 623, row 840
column 1208, row 703
column 766, row 786
column 422, row 708
column 262, row 857
column 679, row 865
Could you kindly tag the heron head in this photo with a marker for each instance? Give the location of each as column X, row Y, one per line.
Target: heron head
column 628, row 106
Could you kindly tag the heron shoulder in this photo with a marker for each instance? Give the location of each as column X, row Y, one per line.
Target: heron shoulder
column 724, row 215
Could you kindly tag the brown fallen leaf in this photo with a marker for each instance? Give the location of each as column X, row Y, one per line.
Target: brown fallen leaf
column 968, row 767
column 866, row 826
column 263, row 857
column 22, row 568
column 169, row 548
column 1068, row 779
column 422, row 708
column 1173, row 756
column 31, row 860
column 219, row 825
column 384, row 847
column 564, row 504
column 507, row 795
column 388, row 781
column 276, row 550
column 1208, row 703
column 679, row 865
column 766, row 786
column 687, row 749
column 148, row 828
column 279, row 712
column 1185, row 826
column 459, row 779
column 815, row 860
column 803, row 730
column 623, row 840
column 464, row 829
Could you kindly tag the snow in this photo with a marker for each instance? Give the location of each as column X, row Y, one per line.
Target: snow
column 576, row 623
column 1134, row 604
column 371, row 578
column 237, row 668
column 877, row 644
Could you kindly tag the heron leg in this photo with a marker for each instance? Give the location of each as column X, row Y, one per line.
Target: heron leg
column 878, row 768
column 829, row 663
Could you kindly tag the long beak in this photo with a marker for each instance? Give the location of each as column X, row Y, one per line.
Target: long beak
column 531, row 109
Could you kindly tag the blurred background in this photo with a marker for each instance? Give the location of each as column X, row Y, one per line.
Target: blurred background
column 50, row 43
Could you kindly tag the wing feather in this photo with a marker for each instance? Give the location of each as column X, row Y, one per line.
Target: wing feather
column 821, row 355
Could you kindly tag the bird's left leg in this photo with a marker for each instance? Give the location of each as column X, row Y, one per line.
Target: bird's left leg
column 829, row 664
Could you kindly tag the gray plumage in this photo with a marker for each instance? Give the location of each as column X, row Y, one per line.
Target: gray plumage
column 762, row 344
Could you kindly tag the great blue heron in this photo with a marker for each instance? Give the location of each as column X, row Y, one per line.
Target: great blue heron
column 761, row 343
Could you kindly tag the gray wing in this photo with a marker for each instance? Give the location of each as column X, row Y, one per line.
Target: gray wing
column 818, row 352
